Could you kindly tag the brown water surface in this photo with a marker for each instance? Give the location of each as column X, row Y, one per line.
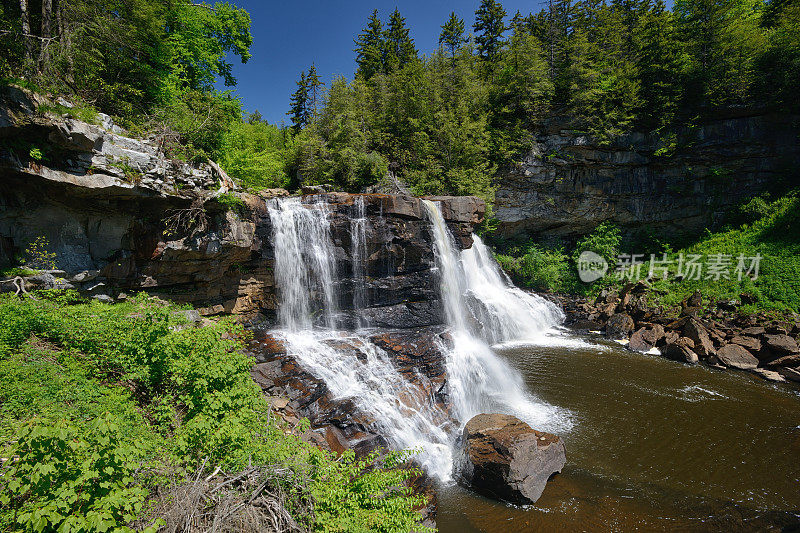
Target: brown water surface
column 654, row 446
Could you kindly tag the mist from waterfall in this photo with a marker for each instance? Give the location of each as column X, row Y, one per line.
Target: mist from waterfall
column 479, row 381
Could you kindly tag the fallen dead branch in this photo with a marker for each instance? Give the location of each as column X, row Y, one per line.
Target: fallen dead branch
column 248, row 501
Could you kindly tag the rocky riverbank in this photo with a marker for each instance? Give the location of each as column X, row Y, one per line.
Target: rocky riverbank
column 702, row 331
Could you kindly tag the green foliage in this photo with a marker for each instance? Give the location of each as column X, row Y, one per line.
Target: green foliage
column 36, row 154
column 100, row 402
column 231, row 202
column 82, row 112
column 363, row 495
column 39, row 256
column 771, row 230
column 255, row 154
column 68, row 480
column 604, row 241
column 539, row 268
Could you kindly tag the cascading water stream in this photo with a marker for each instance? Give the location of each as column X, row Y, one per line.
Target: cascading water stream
column 304, row 262
column 353, row 367
column 478, row 380
column 349, row 364
column 358, row 236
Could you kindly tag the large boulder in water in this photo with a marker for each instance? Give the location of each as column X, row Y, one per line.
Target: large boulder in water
column 504, row 458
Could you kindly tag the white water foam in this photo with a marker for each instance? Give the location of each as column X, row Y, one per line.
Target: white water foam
column 352, row 367
column 479, row 381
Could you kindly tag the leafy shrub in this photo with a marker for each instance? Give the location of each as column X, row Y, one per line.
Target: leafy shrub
column 68, row 480
column 173, row 397
column 231, row 202
column 38, row 255
column 364, row 495
column 604, row 241
column 539, row 268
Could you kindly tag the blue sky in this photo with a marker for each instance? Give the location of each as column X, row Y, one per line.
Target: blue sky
column 288, row 36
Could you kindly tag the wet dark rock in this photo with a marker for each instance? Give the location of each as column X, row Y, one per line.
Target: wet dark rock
column 619, row 326
column 680, row 350
column 504, row 458
column 734, row 355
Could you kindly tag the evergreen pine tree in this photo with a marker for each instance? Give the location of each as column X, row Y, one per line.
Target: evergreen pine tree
column 299, row 104
column 400, row 48
column 370, row 48
column 313, row 90
column 489, row 28
column 452, row 35
column 661, row 67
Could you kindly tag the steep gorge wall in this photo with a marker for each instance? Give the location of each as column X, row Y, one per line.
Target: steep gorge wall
column 568, row 183
column 106, row 225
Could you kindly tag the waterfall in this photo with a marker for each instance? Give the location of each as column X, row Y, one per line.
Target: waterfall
column 478, row 380
column 350, row 364
column 358, row 238
column 304, row 262
column 480, row 304
column 505, row 312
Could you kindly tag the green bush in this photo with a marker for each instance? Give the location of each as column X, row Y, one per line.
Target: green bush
column 71, row 480
column 604, row 241
column 539, row 268
column 94, row 393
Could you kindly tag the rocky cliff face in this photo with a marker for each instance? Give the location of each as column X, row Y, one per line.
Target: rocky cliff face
column 122, row 218
column 569, row 183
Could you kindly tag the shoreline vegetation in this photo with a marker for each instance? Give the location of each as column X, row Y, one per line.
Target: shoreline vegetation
column 111, row 413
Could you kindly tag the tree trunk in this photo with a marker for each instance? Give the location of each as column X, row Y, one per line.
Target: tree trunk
column 26, row 32
column 47, row 17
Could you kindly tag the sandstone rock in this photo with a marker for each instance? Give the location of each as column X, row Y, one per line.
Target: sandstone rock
column 606, row 296
column 641, row 340
column 570, row 193
column 751, row 343
column 786, row 360
column 619, row 326
column 694, row 330
column 769, row 375
column 504, row 458
column 736, row 356
column 754, row 331
column 792, row 374
column 780, row 345
column 680, row 350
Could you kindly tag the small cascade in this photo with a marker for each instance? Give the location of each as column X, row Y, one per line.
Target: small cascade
column 358, row 237
column 505, row 312
column 304, row 262
column 478, row 380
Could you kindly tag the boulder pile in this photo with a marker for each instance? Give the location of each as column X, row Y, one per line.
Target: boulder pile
column 706, row 331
